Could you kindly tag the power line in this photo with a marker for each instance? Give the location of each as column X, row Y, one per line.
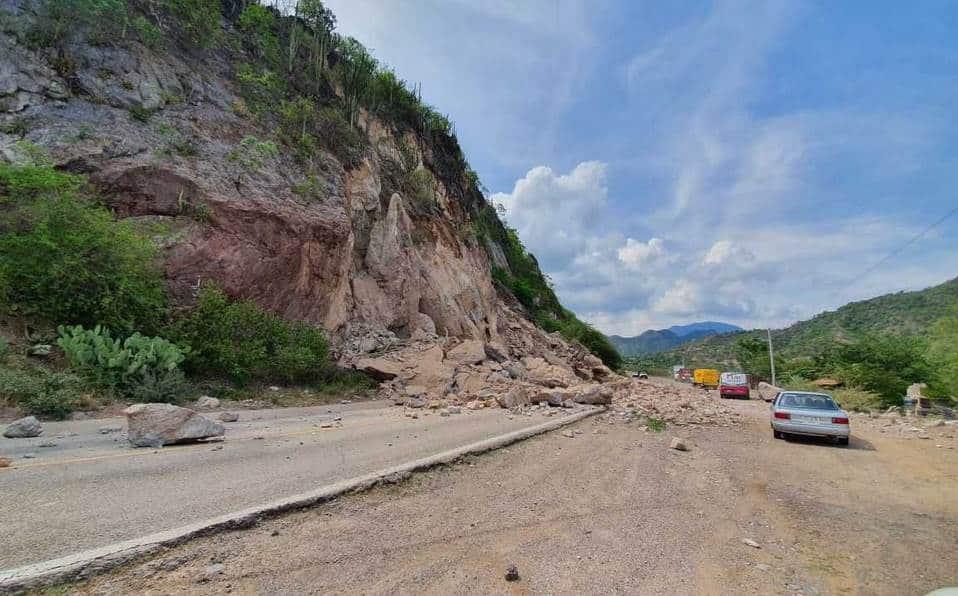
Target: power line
column 900, row 249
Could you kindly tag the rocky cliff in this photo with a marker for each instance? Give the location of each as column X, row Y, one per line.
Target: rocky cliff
column 343, row 241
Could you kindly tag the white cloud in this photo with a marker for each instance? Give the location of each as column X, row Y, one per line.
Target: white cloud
column 636, row 254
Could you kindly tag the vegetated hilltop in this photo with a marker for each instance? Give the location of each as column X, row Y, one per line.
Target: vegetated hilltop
column 659, row 340
column 275, row 158
column 901, row 313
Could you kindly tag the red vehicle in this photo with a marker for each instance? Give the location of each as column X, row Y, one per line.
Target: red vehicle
column 733, row 385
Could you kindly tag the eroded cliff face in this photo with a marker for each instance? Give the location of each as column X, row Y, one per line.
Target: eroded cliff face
column 161, row 135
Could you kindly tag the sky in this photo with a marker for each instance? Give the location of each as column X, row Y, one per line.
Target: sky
column 742, row 161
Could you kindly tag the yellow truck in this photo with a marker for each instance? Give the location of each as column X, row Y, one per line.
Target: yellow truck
column 706, row 377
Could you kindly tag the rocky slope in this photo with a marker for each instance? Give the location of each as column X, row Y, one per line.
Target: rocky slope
column 164, row 136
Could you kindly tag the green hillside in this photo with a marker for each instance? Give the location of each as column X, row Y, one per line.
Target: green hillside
column 901, row 313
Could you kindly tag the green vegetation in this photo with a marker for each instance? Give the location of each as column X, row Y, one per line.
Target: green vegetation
column 126, row 367
column 655, row 425
column 943, row 356
column 39, row 390
column 237, row 339
column 65, row 260
column 199, row 19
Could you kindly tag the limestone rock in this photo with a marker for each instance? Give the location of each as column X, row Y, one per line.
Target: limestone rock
column 379, row 368
column 593, row 395
column 229, row 417
column 23, row 428
column 514, row 398
column 154, row 425
column 497, row 351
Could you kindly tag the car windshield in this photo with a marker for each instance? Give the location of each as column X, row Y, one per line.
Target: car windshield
column 807, row 401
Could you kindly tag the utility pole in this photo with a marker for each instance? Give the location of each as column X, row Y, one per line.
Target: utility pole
column 771, row 356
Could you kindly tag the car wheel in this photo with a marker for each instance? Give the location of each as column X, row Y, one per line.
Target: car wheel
column 843, row 441
column 777, row 434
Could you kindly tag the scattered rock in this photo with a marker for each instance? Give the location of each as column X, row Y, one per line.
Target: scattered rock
column 454, row 410
column 273, row 388
column 678, row 444
column 750, row 542
column 568, row 434
column 30, row 455
column 23, row 428
column 594, row 395
column 229, row 417
column 205, row 402
column 514, row 398
column 512, row 573
column 154, row 425
column 763, row 567
column 107, row 430
column 5, row 462
column 46, row 445
column 475, row 405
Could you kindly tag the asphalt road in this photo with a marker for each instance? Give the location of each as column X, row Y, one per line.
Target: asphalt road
column 86, row 489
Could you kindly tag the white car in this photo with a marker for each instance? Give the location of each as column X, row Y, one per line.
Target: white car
column 809, row 414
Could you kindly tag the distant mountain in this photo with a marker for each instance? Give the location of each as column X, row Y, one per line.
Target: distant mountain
column 659, row 340
column 901, row 313
column 703, row 329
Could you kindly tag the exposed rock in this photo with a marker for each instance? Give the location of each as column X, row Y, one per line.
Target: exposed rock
column 497, row 351
column 154, row 425
column 678, row 444
column 540, row 372
column 5, row 462
column 229, row 417
column 210, row 573
column 205, row 402
column 454, row 409
column 108, row 430
column 415, row 402
column 750, row 542
column 512, row 573
column 475, row 405
column 23, row 428
column 470, row 351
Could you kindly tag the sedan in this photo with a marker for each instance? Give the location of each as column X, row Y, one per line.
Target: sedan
column 809, row 414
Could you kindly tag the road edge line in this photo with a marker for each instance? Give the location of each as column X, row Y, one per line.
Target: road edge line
column 88, row 563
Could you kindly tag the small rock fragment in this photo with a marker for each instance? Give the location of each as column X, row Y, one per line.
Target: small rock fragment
column 512, row 573
column 678, row 444
column 229, row 417
column 211, row 572
column 5, row 462
column 568, row 434
column 205, row 402
column 750, row 542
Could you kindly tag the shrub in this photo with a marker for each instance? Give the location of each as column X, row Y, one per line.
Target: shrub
column 257, row 21
column 149, row 34
column 238, row 339
column 124, row 365
column 339, row 138
column 60, row 21
column 199, row 19
column 65, row 260
column 249, row 156
column 40, row 391
column 261, row 89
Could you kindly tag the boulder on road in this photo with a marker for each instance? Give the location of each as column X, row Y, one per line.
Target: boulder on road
column 678, row 444
column 23, row 428
column 155, row 425
column 594, row 395
column 229, row 417
column 514, row 398
column 767, row 391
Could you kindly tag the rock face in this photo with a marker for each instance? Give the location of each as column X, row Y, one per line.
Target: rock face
column 399, row 279
column 23, row 428
column 154, row 425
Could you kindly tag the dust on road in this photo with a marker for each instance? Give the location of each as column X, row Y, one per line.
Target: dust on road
column 610, row 510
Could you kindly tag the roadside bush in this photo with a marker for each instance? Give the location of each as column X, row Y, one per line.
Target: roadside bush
column 64, row 259
column 238, row 339
column 257, row 21
column 138, row 365
column 40, row 391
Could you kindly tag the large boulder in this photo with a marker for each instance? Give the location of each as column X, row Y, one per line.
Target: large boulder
column 593, row 395
column 379, row 368
column 497, row 351
column 23, row 428
column 470, row 351
column 767, row 391
column 540, row 372
column 155, row 425
column 514, row 398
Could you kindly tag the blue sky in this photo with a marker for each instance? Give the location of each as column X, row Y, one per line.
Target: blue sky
column 678, row 161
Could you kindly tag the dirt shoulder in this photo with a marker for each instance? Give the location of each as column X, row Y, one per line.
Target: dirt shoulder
column 612, row 509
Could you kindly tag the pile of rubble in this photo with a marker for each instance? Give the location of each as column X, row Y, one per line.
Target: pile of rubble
column 526, row 367
column 675, row 404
